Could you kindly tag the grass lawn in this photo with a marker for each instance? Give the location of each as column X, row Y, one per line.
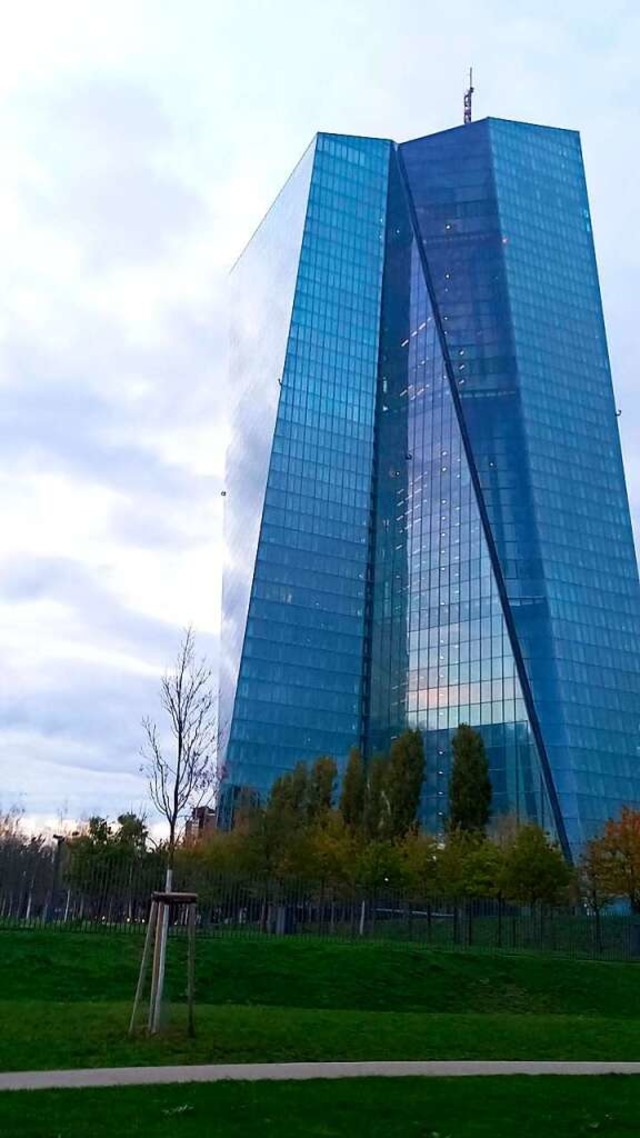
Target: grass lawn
column 371, row 1108
column 44, row 1035
column 61, row 966
column 65, row 1001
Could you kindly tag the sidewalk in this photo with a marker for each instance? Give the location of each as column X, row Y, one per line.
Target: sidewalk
column 212, row 1073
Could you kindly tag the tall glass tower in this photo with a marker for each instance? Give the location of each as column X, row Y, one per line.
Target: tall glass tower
column 426, row 519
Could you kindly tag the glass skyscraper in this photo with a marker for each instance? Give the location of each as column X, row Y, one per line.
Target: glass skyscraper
column 426, row 519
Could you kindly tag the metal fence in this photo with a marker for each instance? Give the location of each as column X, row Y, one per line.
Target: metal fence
column 40, row 888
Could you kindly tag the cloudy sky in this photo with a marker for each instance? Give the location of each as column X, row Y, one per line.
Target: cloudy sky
column 141, row 144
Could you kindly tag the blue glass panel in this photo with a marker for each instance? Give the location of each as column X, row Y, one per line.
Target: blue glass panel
column 262, row 285
column 440, row 647
column 299, row 691
column 427, row 520
column 503, row 213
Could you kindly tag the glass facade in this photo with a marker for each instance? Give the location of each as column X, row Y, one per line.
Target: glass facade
column 441, row 652
column 503, row 214
column 429, row 524
column 262, row 287
column 299, row 689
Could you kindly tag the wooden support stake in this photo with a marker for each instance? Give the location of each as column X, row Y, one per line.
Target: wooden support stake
column 153, row 912
column 155, row 974
column 191, row 966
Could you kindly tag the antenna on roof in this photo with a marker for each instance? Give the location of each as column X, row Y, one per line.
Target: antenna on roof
column 467, row 98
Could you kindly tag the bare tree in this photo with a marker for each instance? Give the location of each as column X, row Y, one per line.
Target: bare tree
column 183, row 777
column 180, row 777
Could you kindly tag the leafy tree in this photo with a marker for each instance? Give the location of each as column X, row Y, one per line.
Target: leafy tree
column 451, row 864
column 289, row 794
column 419, row 852
column 303, row 796
column 268, row 832
column 470, row 785
column 102, row 848
column 594, row 882
column 404, row 778
column 534, row 870
column 132, row 834
column 619, row 857
column 321, row 788
column 376, row 805
column 331, row 852
column 379, row 866
column 352, row 798
column 483, row 869
column 594, row 875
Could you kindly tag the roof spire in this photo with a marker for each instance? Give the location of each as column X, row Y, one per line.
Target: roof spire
column 467, row 98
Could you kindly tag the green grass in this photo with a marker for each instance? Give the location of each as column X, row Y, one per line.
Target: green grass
column 65, row 1001
column 63, row 966
column 38, row 1036
column 371, row 1108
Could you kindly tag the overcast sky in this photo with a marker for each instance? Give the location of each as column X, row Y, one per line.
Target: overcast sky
column 141, row 143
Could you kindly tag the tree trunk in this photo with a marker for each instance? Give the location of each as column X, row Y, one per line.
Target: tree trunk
column 598, row 929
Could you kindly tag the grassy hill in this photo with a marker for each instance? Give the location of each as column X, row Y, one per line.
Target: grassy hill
column 66, row 1000
column 61, row 966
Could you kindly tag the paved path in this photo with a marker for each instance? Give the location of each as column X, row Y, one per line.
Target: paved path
column 210, row 1073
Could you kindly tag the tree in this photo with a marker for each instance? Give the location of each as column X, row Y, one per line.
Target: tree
column 379, row 866
column 534, row 870
column 183, row 777
column 102, row 857
column 25, row 862
column 483, row 869
column 10, row 825
column 404, row 777
column 376, row 804
column 595, row 875
column 330, row 852
column 353, row 792
column 265, row 835
column 305, row 794
column 619, row 857
column 451, row 864
column 132, row 834
column 290, row 792
column 594, row 881
column 419, row 853
column 469, row 785
column 321, row 787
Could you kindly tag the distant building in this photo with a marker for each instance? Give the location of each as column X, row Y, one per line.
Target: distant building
column 426, row 519
column 201, row 823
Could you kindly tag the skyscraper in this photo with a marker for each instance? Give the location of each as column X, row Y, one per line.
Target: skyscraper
column 426, row 519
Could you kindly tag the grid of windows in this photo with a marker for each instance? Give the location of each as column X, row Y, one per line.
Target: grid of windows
column 591, row 719
column 262, row 287
column 503, row 214
column 384, row 570
column 299, row 690
column 440, row 652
